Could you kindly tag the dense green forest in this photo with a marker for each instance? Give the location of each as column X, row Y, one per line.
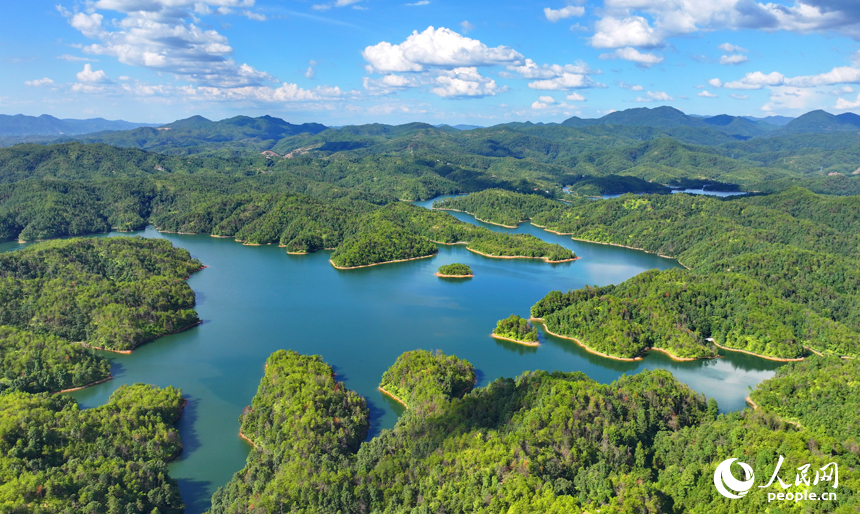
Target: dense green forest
column 456, row 269
column 543, row 442
column 112, row 293
column 425, row 381
column 772, row 275
column 57, row 458
column 516, row 328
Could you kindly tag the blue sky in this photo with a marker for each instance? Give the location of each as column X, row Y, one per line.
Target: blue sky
column 440, row 61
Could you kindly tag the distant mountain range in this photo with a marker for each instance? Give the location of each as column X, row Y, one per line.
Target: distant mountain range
column 47, row 125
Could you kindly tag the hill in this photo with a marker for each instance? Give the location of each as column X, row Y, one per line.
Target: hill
column 22, row 125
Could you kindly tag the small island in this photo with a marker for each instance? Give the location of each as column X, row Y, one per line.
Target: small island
column 516, row 329
column 456, row 270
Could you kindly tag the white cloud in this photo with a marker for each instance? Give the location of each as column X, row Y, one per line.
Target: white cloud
column 92, row 76
column 74, row 58
column 631, row 87
column 843, row 104
column 157, row 34
column 466, row 26
column 546, row 99
column 733, row 59
column 716, row 82
column 575, row 97
column 643, row 59
column 569, row 11
column 707, row 94
column 337, row 3
column 840, row 75
column 564, row 82
column 39, row 82
column 421, row 2
column 757, row 80
column 310, row 72
column 619, row 32
column 655, row 96
column 532, row 70
column 739, row 97
column 784, row 98
column 436, row 47
column 464, row 82
column 732, row 49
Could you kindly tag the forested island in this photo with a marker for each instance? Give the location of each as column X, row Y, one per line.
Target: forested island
column 543, row 442
column 516, row 329
column 455, row 270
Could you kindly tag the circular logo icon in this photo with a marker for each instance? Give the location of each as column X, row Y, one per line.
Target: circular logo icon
column 723, row 478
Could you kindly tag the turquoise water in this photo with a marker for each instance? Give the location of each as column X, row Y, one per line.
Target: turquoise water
column 255, row 300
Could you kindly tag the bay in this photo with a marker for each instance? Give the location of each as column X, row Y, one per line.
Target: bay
column 256, row 300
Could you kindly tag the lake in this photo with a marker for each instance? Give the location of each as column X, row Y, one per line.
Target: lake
column 255, row 300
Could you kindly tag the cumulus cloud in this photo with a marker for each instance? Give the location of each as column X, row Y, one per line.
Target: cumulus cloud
column 464, row 82
column 92, row 76
column 337, row 3
column 569, row 11
column 440, row 47
column 158, row 35
column 631, row 87
column 733, row 59
column 575, row 97
column 756, row 80
column 706, row 94
column 648, row 23
column 732, row 49
column 39, row 82
column 564, row 82
column 716, row 82
column 843, row 104
column 642, row 59
column 466, row 26
column 655, row 96
column 531, row 70
column 421, row 2
column 614, row 32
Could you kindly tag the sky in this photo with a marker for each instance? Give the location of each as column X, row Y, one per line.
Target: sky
column 341, row 62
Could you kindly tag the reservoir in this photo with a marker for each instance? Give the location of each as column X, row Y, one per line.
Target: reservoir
column 255, row 300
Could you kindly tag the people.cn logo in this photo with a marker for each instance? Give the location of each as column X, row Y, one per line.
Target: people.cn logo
column 723, row 478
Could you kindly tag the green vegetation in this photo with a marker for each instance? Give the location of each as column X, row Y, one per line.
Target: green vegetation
column 112, row 293
column 55, row 457
column 35, row 363
column 616, row 184
column 456, row 269
column 820, row 394
column 516, row 328
column 768, row 274
column 385, row 243
column 544, row 442
column 305, row 427
column 425, row 381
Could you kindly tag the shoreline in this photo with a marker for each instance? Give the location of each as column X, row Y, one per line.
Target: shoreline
column 545, row 259
column 127, row 352
column 453, row 276
column 479, row 219
column 628, row 247
column 777, row 359
column 393, row 397
column 524, row 343
column 181, row 447
column 243, row 436
column 586, row 348
column 380, row 263
column 102, row 381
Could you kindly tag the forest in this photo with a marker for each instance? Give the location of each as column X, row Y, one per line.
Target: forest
column 516, row 328
column 773, row 275
column 456, row 269
column 543, row 442
column 58, row 458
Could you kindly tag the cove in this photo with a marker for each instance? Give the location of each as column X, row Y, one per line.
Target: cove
column 255, row 300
